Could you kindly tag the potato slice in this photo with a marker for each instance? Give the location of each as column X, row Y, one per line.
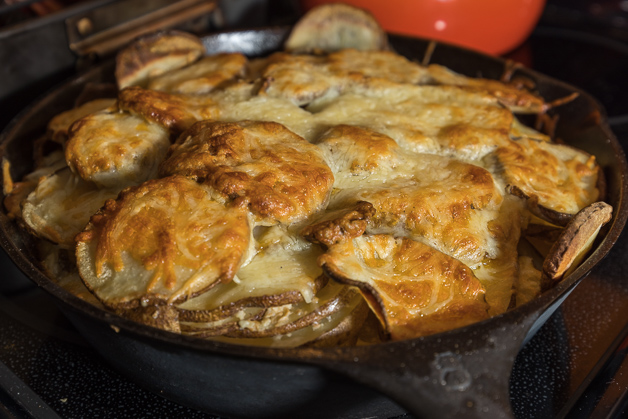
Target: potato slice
column 161, row 243
column 61, row 205
column 175, row 112
column 413, row 289
column 552, row 177
column 16, row 192
column 115, row 149
column 155, row 54
column 202, row 76
column 574, row 242
column 335, row 315
column 332, row 27
column 261, row 165
column 284, row 271
column 443, row 120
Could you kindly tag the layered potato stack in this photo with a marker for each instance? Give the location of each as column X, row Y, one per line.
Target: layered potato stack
column 322, row 195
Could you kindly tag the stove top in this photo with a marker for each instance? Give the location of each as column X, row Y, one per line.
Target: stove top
column 574, row 367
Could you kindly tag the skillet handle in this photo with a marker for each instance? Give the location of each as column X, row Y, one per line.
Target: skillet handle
column 470, row 379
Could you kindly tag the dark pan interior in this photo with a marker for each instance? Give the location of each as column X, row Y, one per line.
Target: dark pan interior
column 462, row 372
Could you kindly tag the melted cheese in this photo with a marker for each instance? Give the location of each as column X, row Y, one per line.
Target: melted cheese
column 560, row 177
column 114, row 149
column 165, row 240
column 202, row 76
column 263, row 166
column 284, row 270
column 61, row 205
column 414, row 289
column 175, row 112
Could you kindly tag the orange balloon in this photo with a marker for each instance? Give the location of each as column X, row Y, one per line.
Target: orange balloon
column 490, row 26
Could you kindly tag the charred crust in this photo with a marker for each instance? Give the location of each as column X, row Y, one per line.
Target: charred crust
column 346, row 226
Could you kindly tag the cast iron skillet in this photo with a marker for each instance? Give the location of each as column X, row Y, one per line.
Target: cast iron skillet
column 462, row 373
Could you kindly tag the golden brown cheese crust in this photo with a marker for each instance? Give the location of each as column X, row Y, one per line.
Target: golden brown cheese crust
column 202, row 76
column 303, row 78
column 165, row 240
column 423, row 119
column 414, row 289
column 115, row 149
column 560, row 177
column 354, row 150
column 449, row 206
column 300, row 78
column 174, row 112
column 278, row 175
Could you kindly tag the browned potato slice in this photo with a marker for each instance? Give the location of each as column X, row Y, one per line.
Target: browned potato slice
column 300, row 79
column 414, row 290
column 61, row 204
column 175, row 112
column 264, row 166
column 542, row 213
column 155, row 54
column 161, row 243
column 157, row 314
column 284, row 271
column 575, row 241
column 202, row 76
column 333, row 27
column 334, row 315
column 116, row 149
column 445, row 120
column 554, row 178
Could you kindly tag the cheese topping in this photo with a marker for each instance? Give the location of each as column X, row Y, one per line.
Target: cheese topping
column 115, row 149
column 278, row 175
column 412, row 287
column 560, row 177
column 165, row 240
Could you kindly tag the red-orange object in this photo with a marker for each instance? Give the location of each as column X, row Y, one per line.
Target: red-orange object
column 490, row 26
